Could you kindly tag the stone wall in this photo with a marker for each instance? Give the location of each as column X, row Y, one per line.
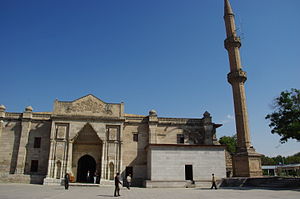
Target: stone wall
column 168, row 162
column 89, row 106
column 38, row 129
column 168, row 134
column 9, row 143
column 115, row 140
column 133, row 151
column 228, row 158
column 18, row 135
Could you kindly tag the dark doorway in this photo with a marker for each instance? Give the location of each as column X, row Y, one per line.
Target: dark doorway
column 129, row 170
column 86, row 164
column 189, row 172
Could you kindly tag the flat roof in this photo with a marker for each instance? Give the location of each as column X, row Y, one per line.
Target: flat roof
column 279, row 166
column 185, row 145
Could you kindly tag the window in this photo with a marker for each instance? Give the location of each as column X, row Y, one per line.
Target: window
column 135, row 137
column 180, row 139
column 113, row 133
column 37, row 142
column 34, row 166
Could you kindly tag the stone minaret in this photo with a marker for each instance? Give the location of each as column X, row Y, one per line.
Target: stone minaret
column 246, row 162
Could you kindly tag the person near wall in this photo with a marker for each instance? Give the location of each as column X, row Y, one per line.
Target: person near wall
column 67, row 180
column 128, row 181
column 95, row 177
column 88, row 175
column 117, row 182
column 213, row 182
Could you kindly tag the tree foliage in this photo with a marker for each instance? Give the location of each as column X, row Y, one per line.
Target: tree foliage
column 285, row 120
column 294, row 159
column 230, row 142
column 265, row 160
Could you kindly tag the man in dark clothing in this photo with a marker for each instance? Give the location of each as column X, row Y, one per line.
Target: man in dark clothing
column 213, row 182
column 117, row 182
column 67, row 179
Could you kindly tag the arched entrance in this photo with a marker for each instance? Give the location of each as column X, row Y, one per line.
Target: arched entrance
column 86, row 164
column 87, row 141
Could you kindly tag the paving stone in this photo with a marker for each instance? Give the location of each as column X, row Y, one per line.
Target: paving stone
column 24, row 191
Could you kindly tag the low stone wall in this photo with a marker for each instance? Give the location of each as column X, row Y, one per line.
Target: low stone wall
column 52, row 181
column 269, row 182
column 164, row 184
column 176, row 184
column 19, row 178
column 137, row 182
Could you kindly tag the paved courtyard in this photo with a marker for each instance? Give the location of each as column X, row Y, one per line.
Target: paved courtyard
column 24, row 191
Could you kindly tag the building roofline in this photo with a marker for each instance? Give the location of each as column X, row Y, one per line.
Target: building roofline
column 184, row 146
column 86, row 96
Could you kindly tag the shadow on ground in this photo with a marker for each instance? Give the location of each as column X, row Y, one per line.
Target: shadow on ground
column 105, row 196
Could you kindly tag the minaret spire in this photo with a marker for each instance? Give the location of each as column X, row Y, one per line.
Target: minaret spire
column 229, row 19
column 227, row 8
column 237, row 77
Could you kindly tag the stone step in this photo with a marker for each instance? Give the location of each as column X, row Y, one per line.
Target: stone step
column 275, row 182
column 84, row 184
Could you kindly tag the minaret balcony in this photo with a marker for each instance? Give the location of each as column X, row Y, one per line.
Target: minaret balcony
column 232, row 42
column 237, row 76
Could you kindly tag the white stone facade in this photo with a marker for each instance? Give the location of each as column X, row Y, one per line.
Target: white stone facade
column 167, row 163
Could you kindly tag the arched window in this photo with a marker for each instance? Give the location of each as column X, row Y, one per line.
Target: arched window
column 58, row 169
column 111, row 171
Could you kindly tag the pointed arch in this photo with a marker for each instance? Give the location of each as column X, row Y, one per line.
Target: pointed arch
column 111, row 170
column 86, row 168
column 58, row 169
column 86, row 143
column 87, row 135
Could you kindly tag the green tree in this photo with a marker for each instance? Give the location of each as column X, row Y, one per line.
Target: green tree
column 230, row 142
column 265, row 160
column 285, row 120
column 279, row 159
column 293, row 159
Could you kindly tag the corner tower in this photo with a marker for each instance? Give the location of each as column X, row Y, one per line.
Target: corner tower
column 246, row 162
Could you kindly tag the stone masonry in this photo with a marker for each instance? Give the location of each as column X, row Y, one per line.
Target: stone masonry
column 246, row 162
column 89, row 135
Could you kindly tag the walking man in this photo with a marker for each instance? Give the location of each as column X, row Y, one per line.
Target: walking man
column 128, row 181
column 117, row 182
column 213, row 182
column 67, row 179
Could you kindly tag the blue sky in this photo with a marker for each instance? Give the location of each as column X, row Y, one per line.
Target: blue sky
column 166, row 55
